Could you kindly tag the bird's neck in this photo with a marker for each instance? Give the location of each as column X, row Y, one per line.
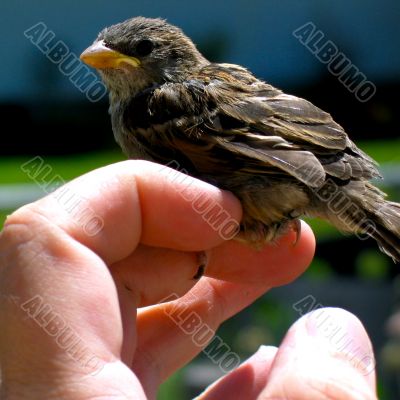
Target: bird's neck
column 123, row 84
column 121, row 97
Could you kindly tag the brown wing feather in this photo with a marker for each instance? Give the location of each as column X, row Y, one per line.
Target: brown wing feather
column 262, row 110
column 225, row 117
column 295, row 163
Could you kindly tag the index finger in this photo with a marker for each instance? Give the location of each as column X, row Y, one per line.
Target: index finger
column 112, row 209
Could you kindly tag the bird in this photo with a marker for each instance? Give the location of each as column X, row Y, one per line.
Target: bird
column 280, row 155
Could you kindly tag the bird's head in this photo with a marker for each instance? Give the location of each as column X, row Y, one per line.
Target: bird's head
column 141, row 52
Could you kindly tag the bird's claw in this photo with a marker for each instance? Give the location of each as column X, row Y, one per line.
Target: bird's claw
column 202, row 259
column 296, row 227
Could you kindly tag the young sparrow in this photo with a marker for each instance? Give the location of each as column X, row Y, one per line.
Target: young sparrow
column 279, row 154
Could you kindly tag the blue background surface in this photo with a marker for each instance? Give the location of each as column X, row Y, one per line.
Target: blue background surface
column 257, row 34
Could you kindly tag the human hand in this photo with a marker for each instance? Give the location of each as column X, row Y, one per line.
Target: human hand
column 72, row 296
column 326, row 354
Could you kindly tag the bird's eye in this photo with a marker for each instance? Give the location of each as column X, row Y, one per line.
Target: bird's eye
column 144, row 47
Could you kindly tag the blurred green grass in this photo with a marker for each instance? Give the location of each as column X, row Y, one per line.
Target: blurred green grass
column 69, row 167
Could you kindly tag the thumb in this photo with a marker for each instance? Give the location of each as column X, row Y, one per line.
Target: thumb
column 326, row 354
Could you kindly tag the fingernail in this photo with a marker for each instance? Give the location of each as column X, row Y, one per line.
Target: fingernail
column 345, row 335
column 266, row 352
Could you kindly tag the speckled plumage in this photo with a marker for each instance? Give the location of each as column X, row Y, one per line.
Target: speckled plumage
column 279, row 154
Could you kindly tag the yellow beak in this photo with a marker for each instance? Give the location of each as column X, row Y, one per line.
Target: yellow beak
column 100, row 56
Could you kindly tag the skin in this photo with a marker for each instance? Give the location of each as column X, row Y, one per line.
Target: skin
column 98, row 284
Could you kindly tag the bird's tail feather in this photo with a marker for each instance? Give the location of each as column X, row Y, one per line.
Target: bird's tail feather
column 359, row 207
column 373, row 216
column 387, row 229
